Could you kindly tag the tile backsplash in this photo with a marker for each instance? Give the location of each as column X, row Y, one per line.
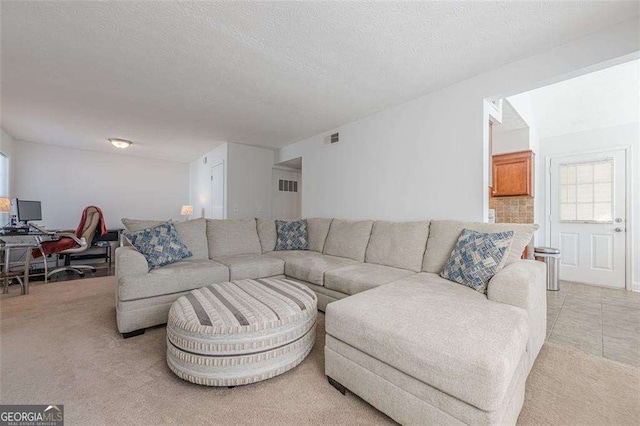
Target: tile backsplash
column 512, row 209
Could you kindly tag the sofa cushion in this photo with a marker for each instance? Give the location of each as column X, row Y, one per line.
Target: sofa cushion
column 160, row 245
column 251, row 266
column 292, row 235
column 289, row 255
column 193, row 233
column 439, row 332
column 140, row 224
column 267, row 233
column 398, row 244
column 348, row 239
column 443, row 236
column 313, row 268
column 318, row 229
column 179, row 276
column 477, row 257
column 353, row 279
column 229, row 237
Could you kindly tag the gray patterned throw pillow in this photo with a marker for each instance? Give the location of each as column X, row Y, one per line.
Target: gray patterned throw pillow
column 477, row 257
column 160, row 245
column 292, row 235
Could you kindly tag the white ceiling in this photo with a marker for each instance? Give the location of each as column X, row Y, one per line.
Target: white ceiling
column 605, row 98
column 511, row 119
column 179, row 78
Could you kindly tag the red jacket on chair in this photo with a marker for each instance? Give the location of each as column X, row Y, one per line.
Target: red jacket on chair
column 50, row 247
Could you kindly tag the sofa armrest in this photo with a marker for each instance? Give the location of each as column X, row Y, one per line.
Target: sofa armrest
column 523, row 284
column 130, row 262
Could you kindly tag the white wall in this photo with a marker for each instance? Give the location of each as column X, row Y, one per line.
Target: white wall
column 200, row 180
column 575, row 143
column 66, row 180
column 428, row 158
column 6, row 143
column 249, row 181
column 511, row 141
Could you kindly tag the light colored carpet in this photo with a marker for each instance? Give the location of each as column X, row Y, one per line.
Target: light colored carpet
column 60, row 345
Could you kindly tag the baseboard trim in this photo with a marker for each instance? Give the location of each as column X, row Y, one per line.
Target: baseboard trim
column 635, row 286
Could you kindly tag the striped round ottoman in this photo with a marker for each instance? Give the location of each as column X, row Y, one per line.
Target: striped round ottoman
column 240, row 332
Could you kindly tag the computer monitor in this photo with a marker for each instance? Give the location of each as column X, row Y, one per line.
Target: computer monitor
column 28, row 210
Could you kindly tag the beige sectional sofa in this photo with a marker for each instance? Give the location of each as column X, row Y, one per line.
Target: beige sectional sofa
column 422, row 349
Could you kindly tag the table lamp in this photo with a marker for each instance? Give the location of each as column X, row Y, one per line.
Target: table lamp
column 186, row 211
column 5, row 205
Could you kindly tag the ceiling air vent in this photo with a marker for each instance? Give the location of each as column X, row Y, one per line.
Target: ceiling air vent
column 333, row 138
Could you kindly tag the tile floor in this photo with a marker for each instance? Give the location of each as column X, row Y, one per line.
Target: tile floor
column 597, row 320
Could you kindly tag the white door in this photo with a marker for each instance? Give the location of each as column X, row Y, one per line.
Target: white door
column 217, row 191
column 587, row 220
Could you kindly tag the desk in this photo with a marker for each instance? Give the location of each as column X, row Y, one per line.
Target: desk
column 30, row 240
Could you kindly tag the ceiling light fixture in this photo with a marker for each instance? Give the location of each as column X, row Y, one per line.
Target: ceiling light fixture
column 120, row 143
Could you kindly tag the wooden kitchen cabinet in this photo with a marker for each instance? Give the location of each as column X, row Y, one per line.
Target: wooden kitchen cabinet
column 513, row 174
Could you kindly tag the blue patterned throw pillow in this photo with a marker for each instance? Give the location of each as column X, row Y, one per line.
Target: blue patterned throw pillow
column 160, row 245
column 477, row 257
column 292, row 235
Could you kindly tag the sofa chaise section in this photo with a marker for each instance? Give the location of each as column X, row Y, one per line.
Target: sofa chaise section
column 430, row 352
column 521, row 283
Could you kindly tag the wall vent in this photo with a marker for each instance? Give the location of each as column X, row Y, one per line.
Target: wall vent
column 287, row 185
column 332, row 138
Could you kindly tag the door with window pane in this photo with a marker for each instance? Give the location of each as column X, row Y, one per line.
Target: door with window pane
column 587, row 218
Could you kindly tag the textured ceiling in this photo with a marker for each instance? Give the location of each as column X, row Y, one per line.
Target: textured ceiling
column 179, row 78
column 511, row 120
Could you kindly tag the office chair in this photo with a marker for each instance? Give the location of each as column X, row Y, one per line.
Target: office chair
column 71, row 244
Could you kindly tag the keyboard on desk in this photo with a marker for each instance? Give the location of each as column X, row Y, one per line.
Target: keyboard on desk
column 15, row 230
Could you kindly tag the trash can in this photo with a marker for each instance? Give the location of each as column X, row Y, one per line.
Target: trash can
column 550, row 256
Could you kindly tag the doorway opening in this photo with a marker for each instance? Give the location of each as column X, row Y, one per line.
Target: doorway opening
column 570, row 154
column 218, row 210
column 566, row 156
column 286, row 192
